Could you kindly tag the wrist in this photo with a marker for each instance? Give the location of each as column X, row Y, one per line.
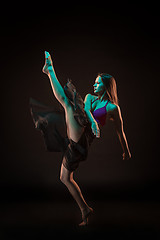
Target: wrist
column 93, row 121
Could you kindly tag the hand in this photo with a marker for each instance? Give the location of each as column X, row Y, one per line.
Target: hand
column 95, row 129
column 126, row 156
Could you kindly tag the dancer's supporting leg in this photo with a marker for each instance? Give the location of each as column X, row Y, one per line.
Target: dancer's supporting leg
column 67, row 178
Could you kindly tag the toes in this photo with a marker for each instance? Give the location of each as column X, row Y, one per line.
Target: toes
column 47, row 54
column 83, row 224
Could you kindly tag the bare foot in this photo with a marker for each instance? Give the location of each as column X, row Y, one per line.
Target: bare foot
column 48, row 63
column 85, row 215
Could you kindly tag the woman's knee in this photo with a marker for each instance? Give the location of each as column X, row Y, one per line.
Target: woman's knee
column 65, row 175
column 63, row 178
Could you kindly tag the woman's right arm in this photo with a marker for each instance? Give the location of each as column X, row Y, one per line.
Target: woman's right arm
column 87, row 108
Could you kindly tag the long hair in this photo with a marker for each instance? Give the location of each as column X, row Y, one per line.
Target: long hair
column 110, row 86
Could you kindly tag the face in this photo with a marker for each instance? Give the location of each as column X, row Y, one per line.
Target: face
column 99, row 87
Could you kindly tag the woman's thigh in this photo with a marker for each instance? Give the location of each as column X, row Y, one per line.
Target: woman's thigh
column 74, row 130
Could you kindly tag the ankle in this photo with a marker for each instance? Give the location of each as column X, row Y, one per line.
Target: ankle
column 85, row 209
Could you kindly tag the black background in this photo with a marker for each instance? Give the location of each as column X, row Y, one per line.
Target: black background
column 83, row 39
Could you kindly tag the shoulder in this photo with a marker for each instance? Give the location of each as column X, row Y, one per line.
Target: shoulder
column 90, row 97
column 112, row 107
column 113, row 110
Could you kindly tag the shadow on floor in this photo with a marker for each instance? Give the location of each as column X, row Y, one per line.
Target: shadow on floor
column 37, row 214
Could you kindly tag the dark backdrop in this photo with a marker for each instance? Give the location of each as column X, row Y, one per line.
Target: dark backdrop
column 122, row 40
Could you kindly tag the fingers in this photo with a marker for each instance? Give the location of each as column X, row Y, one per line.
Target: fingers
column 126, row 156
column 96, row 132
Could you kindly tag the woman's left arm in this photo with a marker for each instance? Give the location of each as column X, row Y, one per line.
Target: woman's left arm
column 118, row 121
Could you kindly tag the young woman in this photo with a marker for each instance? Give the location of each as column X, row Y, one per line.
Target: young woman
column 105, row 106
column 80, row 122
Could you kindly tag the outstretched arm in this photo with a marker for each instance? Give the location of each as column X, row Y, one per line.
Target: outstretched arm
column 56, row 86
column 120, row 132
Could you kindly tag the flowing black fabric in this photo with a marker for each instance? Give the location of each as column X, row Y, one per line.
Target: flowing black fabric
column 50, row 120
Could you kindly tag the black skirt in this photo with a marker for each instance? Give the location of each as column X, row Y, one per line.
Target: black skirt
column 51, row 122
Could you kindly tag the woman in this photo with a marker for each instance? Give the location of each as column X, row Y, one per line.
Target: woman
column 105, row 106
column 81, row 124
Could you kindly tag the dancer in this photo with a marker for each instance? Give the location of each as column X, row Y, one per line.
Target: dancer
column 72, row 129
column 105, row 106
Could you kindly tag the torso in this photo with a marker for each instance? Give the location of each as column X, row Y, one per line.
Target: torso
column 74, row 130
column 97, row 104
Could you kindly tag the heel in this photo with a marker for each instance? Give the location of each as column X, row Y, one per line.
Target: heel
column 85, row 218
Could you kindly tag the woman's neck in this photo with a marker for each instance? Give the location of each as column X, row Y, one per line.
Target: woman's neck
column 102, row 97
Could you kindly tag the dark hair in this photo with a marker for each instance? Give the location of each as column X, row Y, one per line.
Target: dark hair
column 110, row 86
